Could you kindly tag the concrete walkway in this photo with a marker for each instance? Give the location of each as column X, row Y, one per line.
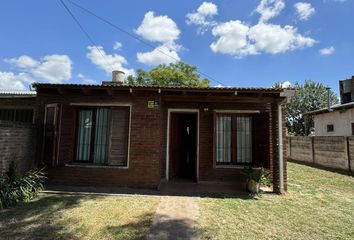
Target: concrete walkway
column 175, row 218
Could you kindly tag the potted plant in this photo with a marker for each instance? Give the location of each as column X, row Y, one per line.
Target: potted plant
column 254, row 178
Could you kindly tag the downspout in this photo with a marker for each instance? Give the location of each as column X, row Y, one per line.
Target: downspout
column 280, row 148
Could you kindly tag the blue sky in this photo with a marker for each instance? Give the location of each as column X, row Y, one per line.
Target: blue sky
column 240, row 43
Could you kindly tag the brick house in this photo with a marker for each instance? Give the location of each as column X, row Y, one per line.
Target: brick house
column 139, row 136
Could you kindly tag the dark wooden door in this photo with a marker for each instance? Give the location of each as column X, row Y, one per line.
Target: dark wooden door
column 51, row 134
column 183, row 146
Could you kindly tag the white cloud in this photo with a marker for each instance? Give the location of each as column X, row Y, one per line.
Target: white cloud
column 23, row 61
column 117, row 45
column 203, row 16
column 286, row 84
column 327, row 51
column 85, row 80
column 163, row 54
column 269, row 9
column 158, row 28
column 232, row 38
column 238, row 39
column 54, row 68
column 13, row 81
column 304, row 10
column 108, row 62
column 275, row 39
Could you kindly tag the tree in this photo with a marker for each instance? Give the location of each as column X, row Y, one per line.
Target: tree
column 174, row 74
column 308, row 97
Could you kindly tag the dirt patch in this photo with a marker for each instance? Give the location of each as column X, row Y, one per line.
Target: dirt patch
column 175, row 218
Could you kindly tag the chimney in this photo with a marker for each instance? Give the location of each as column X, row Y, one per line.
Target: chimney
column 117, row 78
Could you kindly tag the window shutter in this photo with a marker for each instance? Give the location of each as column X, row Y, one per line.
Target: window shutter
column 119, row 136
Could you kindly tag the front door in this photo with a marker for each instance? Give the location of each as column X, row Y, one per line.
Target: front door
column 183, row 146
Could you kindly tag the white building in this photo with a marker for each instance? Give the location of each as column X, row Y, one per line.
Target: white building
column 336, row 121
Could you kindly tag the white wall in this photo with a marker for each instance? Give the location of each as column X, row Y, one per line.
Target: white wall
column 341, row 119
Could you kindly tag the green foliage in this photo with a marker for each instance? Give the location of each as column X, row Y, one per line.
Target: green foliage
column 174, row 74
column 309, row 96
column 277, row 85
column 15, row 188
column 259, row 175
column 11, row 173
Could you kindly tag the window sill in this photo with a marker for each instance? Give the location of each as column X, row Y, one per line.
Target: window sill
column 231, row 166
column 94, row 166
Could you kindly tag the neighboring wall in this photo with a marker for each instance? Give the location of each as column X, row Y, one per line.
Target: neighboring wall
column 17, row 143
column 341, row 120
column 333, row 152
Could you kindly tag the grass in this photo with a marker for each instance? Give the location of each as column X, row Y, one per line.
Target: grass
column 319, row 205
column 79, row 217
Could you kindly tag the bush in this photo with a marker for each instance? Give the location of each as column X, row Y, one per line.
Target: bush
column 256, row 174
column 256, row 177
column 16, row 188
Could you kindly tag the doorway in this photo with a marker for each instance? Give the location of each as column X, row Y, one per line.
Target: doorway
column 183, row 146
column 51, row 139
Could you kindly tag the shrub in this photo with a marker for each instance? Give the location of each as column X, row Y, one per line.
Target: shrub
column 258, row 175
column 255, row 177
column 16, row 188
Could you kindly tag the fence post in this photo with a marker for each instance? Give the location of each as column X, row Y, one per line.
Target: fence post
column 313, row 149
column 348, row 154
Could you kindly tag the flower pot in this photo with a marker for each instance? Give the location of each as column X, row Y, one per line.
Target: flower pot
column 253, row 186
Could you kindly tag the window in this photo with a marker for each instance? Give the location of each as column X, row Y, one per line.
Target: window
column 17, row 115
column 102, row 136
column 233, row 139
column 330, row 128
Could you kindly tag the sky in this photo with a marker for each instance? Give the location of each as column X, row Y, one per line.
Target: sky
column 252, row 43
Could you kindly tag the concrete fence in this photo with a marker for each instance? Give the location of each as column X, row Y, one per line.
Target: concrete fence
column 332, row 152
column 17, row 143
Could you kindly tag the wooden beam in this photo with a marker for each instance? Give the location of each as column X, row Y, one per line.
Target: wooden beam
column 234, row 99
column 110, row 92
column 62, row 90
column 86, row 91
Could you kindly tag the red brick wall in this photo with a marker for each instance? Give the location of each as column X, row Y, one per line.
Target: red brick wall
column 145, row 144
column 17, row 143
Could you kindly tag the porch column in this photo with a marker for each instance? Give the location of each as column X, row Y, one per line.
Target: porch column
column 279, row 161
column 280, row 148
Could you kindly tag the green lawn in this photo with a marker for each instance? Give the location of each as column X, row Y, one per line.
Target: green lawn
column 79, row 217
column 319, row 205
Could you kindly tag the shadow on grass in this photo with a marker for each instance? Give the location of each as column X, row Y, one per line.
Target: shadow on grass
column 162, row 228
column 103, row 191
column 314, row 165
column 38, row 219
